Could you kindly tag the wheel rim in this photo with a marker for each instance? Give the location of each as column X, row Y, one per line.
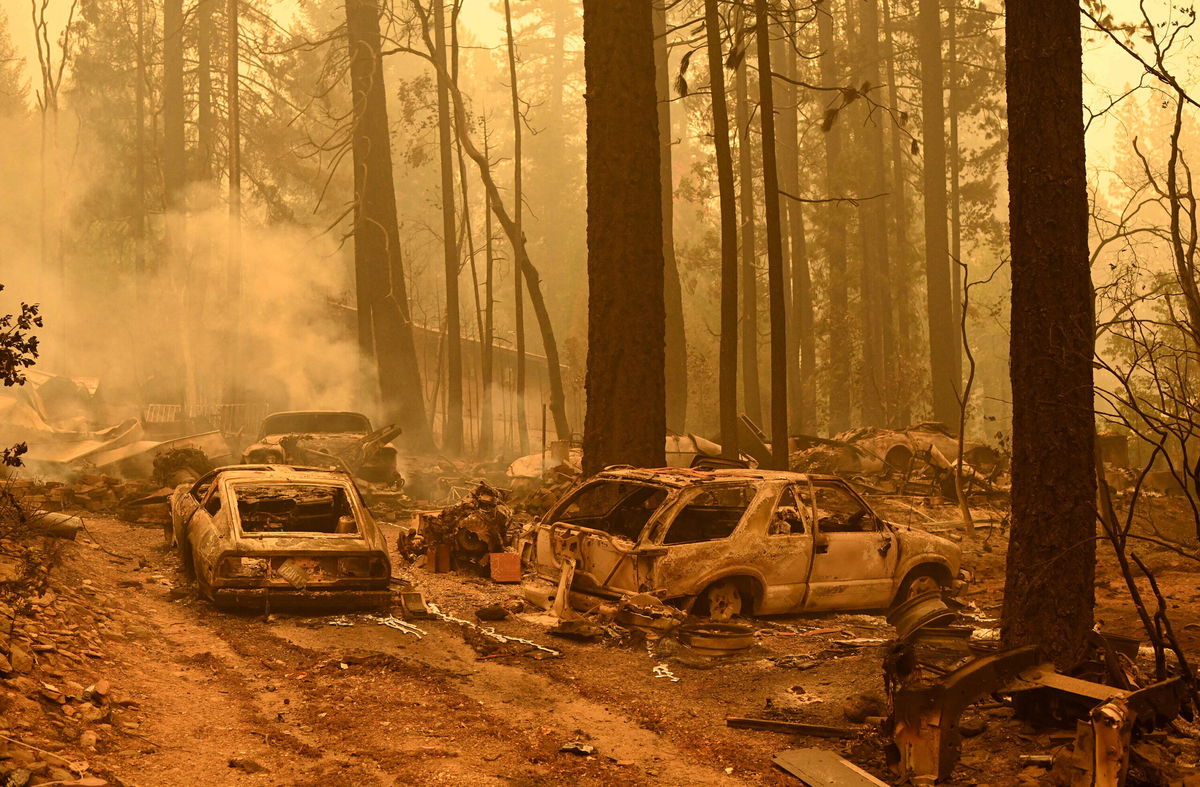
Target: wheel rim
column 724, row 601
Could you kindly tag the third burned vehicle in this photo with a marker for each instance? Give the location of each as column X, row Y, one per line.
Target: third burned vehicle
column 340, row 439
column 729, row 542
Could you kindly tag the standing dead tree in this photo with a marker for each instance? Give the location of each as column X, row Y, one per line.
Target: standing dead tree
column 558, row 409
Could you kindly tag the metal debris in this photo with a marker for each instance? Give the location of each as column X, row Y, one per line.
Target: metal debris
column 400, row 625
column 663, row 671
column 489, row 632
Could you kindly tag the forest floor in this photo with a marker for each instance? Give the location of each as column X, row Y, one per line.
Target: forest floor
column 199, row 696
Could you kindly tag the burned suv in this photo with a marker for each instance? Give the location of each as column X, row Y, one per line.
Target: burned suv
column 276, row 537
column 729, row 542
column 327, row 438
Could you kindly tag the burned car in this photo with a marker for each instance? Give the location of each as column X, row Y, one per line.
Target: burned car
column 275, row 536
column 727, row 542
column 327, row 438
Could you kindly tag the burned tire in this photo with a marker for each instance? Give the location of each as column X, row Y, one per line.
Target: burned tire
column 918, row 581
column 723, row 600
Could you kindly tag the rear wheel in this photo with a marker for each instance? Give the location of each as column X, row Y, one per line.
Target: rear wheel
column 724, row 600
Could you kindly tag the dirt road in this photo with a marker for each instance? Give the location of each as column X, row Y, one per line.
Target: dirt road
column 225, row 699
column 201, row 696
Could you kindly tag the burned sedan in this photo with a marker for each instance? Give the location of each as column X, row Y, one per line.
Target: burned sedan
column 276, row 537
column 729, row 542
column 339, row 439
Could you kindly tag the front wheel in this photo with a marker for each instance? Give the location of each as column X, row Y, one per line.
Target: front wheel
column 724, row 600
column 917, row 583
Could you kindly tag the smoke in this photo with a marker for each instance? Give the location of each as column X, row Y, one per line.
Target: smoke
column 169, row 331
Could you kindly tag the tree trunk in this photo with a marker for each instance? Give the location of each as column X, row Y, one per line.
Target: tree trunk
column 937, row 249
column 486, row 406
column 233, row 271
column 677, row 382
column 139, row 115
column 206, row 131
column 626, row 396
column 174, row 165
column 727, row 374
column 385, row 327
column 452, row 423
column 801, row 337
column 771, row 213
column 901, row 258
column 751, row 391
column 956, row 271
column 877, row 296
column 783, row 55
column 835, row 240
column 1049, row 584
column 518, row 201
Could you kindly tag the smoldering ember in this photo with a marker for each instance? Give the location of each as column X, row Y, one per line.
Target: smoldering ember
column 599, row 392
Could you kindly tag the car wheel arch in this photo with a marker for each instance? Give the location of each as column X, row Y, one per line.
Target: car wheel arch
column 938, row 569
column 751, row 585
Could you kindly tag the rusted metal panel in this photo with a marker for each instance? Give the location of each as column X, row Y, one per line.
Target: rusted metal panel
column 822, row 768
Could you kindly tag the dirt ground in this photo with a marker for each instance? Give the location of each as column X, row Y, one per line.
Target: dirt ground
column 201, row 696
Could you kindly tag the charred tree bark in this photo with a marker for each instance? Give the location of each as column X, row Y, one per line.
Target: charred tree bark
column 727, row 373
column 677, row 382
column 751, row 390
column 385, row 325
column 940, row 309
column 452, row 425
column 1048, row 593
column 626, row 409
column 775, row 262
column 835, row 240
column 518, row 202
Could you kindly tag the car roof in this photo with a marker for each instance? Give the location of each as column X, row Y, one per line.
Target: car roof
column 281, row 473
column 687, row 476
column 316, row 412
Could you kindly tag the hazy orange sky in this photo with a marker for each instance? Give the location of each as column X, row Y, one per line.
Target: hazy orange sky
column 1108, row 69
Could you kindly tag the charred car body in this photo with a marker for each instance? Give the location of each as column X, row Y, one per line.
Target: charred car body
column 728, row 542
column 339, row 439
column 274, row 536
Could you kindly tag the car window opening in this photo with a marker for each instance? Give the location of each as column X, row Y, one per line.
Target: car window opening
column 617, row 508
column 294, row 508
column 789, row 516
column 838, row 511
column 711, row 514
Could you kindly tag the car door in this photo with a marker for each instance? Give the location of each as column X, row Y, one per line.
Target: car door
column 854, row 553
column 787, row 548
column 708, row 534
